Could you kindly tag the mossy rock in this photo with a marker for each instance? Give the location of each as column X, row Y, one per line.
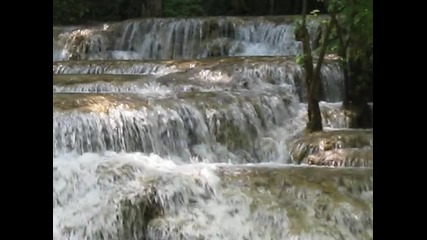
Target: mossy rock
column 70, row 79
column 223, row 46
column 233, row 133
column 236, row 120
column 131, row 220
column 352, row 117
column 136, row 215
column 97, row 103
column 348, row 157
column 289, row 201
column 126, row 67
column 306, row 144
column 283, row 203
column 82, row 42
column 314, row 199
column 141, row 66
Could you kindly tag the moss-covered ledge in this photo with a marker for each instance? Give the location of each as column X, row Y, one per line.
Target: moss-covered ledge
column 327, row 148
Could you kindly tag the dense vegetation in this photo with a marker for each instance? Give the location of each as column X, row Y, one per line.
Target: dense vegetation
column 348, row 34
column 83, row 11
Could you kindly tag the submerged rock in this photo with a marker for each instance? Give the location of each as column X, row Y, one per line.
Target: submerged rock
column 136, row 213
column 221, row 47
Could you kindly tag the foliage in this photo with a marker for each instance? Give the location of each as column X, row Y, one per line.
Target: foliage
column 84, row 11
column 352, row 39
column 300, row 59
column 355, row 18
column 315, row 12
column 183, row 8
column 69, row 11
column 356, row 25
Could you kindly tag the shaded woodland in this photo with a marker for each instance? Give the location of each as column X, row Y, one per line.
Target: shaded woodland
column 84, row 11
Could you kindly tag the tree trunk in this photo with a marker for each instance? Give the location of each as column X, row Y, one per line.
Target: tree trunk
column 314, row 122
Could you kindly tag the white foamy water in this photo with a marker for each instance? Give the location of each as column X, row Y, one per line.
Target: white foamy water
column 139, row 196
column 258, row 49
column 179, row 38
column 151, row 89
column 133, row 195
column 200, row 152
column 89, row 189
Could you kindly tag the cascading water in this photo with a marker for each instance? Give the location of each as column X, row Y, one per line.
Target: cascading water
column 192, row 139
column 179, row 39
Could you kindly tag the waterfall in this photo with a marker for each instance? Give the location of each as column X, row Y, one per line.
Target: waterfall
column 193, row 129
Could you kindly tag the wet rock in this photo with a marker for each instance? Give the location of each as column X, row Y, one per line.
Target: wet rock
column 203, row 201
column 82, row 43
column 136, row 213
column 274, row 203
column 317, row 144
column 183, row 124
column 70, row 79
column 222, row 47
column 334, row 115
column 320, row 201
column 349, row 157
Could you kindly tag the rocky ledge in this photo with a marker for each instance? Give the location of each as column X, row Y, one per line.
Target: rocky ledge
column 346, row 148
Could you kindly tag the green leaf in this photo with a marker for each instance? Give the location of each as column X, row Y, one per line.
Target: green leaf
column 300, row 59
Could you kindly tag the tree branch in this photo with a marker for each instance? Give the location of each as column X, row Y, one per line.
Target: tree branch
column 323, row 49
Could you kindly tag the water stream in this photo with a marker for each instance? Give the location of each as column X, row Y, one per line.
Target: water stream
column 182, row 129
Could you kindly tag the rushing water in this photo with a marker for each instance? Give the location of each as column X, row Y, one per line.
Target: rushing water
column 181, row 129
